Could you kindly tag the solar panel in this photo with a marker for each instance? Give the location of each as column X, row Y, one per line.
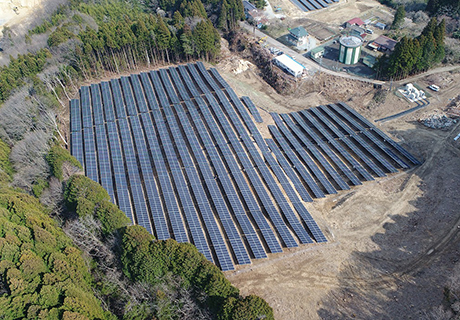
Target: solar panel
column 119, row 172
column 404, row 152
column 118, row 99
column 178, row 84
column 188, row 81
column 217, row 197
column 158, row 87
column 148, row 89
column 107, row 102
column 135, row 184
column 128, row 95
column 103, row 156
column 138, row 93
column 354, row 163
column 98, row 113
column 252, row 108
column 379, row 172
column 370, row 136
column 168, row 86
column 154, row 200
column 201, row 68
column 173, row 163
column 230, row 191
column 289, row 171
column 85, row 105
column 300, row 232
column 296, row 164
column 199, row 194
column 315, row 152
column 219, row 78
column 90, row 154
column 358, row 139
column 326, row 149
column 76, row 146
column 304, row 156
column 197, row 78
column 75, row 115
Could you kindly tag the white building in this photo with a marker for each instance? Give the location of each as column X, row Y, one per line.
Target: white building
column 289, row 65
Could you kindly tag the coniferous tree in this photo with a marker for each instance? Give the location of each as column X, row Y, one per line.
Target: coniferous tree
column 398, row 18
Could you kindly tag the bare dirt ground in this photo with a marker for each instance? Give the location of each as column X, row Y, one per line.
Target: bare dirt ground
column 392, row 242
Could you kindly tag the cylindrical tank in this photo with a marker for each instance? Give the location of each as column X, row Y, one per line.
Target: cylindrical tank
column 350, row 49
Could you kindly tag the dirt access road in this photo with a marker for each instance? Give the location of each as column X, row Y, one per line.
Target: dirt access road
column 393, row 242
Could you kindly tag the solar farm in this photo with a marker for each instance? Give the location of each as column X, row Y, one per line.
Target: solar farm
column 181, row 155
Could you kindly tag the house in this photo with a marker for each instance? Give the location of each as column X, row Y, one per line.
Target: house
column 289, row 65
column 317, row 52
column 298, row 36
column 354, row 22
column 384, row 44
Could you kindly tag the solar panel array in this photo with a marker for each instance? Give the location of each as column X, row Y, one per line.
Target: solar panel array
column 334, row 147
column 179, row 153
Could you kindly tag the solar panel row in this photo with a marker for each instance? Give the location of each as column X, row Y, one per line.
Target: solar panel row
column 404, row 152
column 388, row 166
column 326, row 149
column 217, row 240
column 370, row 136
column 261, row 166
column 317, row 154
column 251, row 173
column 353, row 162
column 252, row 108
column 304, row 155
column 347, row 140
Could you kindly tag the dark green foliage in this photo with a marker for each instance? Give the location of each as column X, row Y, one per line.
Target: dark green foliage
column 146, row 260
column 43, row 275
column 447, row 7
column 39, row 186
column 415, row 55
column 60, row 35
column 88, row 198
column 56, row 157
column 250, row 308
column 20, row 68
column 398, row 18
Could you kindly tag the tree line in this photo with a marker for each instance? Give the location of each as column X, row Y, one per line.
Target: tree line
column 415, row 55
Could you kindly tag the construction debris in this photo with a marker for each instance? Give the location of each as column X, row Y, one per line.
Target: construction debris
column 437, row 120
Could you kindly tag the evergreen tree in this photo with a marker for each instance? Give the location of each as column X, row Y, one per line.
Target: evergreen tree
column 398, row 18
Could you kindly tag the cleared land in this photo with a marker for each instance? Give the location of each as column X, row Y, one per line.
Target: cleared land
column 393, row 242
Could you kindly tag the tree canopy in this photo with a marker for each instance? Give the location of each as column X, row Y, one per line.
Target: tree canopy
column 415, row 55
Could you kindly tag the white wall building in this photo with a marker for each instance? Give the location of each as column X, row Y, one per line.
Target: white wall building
column 289, row 65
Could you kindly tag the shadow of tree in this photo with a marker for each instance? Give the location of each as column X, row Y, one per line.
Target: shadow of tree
column 417, row 251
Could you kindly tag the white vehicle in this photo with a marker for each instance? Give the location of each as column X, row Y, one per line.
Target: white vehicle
column 433, row 87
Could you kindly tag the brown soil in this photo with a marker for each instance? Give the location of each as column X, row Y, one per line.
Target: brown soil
column 392, row 242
